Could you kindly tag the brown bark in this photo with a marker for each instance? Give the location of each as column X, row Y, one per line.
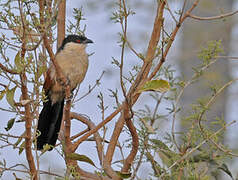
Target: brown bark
column 27, row 113
column 61, row 23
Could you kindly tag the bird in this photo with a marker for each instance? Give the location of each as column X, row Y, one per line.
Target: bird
column 73, row 61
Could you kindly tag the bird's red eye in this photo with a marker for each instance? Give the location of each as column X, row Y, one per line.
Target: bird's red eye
column 78, row 41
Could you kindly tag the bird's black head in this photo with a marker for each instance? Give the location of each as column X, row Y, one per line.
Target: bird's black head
column 75, row 39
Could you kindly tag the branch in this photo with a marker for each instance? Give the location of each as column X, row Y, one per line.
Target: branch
column 79, row 134
column 171, row 40
column 135, row 144
column 91, row 88
column 113, row 141
column 59, row 74
column 90, row 125
column 7, row 70
column 100, row 125
column 210, row 102
column 189, row 82
column 154, row 39
column 197, row 147
column 28, row 116
column 12, row 136
column 84, row 175
column 228, row 57
column 61, row 23
column 213, row 17
column 155, row 36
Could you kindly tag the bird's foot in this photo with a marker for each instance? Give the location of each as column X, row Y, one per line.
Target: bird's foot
column 70, row 97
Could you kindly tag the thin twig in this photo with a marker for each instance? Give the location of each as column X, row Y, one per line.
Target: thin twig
column 210, row 102
column 90, row 88
column 171, row 13
column 7, row 70
column 221, row 16
column 228, row 57
column 179, row 97
column 171, row 39
column 100, row 125
column 12, row 136
column 197, row 147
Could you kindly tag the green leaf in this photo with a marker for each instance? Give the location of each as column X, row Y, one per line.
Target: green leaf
column 41, row 70
column 47, row 147
column 160, row 144
column 148, row 126
column 123, row 175
column 19, row 63
column 167, row 160
column 156, row 85
column 2, row 93
column 22, row 147
column 19, row 140
column 166, row 155
column 80, row 157
column 10, row 124
column 10, row 96
column 224, row 168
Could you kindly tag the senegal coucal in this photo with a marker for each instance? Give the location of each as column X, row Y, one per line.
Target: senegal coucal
column 73, row 60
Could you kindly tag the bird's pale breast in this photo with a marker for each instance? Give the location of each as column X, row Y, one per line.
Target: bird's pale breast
column 74, row 63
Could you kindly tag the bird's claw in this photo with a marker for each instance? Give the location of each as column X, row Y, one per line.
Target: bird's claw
column 70, row 97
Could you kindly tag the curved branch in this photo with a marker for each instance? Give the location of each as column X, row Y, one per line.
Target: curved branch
column 213, row 17
column 100, row 125
column 90, row 125
column 135, row 144
column 116, row 133
column 99, row 146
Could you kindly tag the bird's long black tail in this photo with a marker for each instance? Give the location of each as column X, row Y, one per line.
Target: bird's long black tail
column 49, row 123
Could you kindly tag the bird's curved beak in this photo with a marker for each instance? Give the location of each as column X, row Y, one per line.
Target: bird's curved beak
column 87, row 41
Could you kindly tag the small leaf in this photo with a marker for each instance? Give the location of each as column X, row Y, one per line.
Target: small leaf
column 10, row 96
column 2, row 93
column 19, row 62
column 167, row 160
column 149, row 127
column 19, row 140
column 80, row 157
column 156, row 85
column 41, row 70
column 123, row 175
column 166, row 155
column 224, row 168
column 22, row 147
column 160, row 144
column 46, row 147
column 10, row 124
